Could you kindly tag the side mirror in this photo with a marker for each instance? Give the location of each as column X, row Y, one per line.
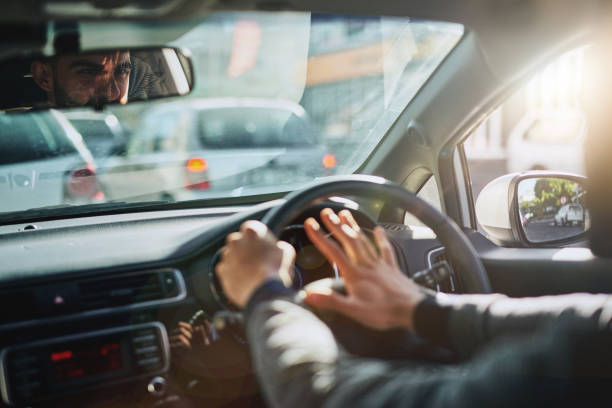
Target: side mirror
column 535, row 208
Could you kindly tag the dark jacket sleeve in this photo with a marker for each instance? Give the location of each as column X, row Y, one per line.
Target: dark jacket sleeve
column 300, row 364
column 477, row 320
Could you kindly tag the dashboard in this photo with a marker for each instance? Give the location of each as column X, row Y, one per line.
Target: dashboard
column 121, row 310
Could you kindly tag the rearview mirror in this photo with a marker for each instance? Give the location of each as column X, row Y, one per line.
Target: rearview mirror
column 534, row 209
column 95, row 78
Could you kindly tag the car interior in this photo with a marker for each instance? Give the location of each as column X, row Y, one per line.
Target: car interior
column 95, row 299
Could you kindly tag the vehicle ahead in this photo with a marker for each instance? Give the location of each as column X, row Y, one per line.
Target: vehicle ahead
column 570, row 214
column 102, row 133
column 548, row 140
column 217, row 147
column 44, row 163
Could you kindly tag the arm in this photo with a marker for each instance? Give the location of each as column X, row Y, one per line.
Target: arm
column 380, row 296
column 469, row 322
column 299, row 364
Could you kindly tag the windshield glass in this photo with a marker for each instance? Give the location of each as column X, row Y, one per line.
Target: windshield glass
column 279, row 99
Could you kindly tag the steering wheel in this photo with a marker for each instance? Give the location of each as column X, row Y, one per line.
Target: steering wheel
column 354, row 337
column 470, row 271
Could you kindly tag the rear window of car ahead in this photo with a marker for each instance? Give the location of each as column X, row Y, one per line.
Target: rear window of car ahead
column 93, row 130
column 236, row 128
column 31, row 137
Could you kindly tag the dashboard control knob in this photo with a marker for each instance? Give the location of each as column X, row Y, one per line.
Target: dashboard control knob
column 157, row 386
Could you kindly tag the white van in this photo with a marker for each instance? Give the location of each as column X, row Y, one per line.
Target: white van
column 570, row 214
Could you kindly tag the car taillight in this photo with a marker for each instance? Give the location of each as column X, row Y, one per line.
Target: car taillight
column 196, row 174
column 197, row 165
column 82, row 183
column 329, row 161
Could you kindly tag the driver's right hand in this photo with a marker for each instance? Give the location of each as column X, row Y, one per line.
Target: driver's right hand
column 379, row 295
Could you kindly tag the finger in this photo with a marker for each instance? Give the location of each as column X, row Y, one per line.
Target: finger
column 326, row 246
column 220, row 270
column 345, row 235
column 224, row 252
column 288, row 253
column 184, row 324
column 365, row 243
column 234, row 236
column 386, row 249
column 254, row 229
column 202, row 335
column 185, row 332
column 286, row 269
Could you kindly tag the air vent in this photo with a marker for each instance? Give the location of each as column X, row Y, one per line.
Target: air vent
column 394, row 227
column 126, row 289
column 98, row 295
column 18, row 305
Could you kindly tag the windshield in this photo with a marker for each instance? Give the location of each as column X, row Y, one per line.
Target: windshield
column 279, row 99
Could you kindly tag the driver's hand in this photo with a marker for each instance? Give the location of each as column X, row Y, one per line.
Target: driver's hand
column 250, row 257
column 379, row 295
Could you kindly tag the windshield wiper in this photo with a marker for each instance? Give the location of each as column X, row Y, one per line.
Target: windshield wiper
column 55, row 211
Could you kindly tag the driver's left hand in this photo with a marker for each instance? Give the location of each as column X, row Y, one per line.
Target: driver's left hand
column 251, row 257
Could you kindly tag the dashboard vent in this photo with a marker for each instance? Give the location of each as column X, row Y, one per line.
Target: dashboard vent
column 394, row 227
column 122, row 290
column 17, row 305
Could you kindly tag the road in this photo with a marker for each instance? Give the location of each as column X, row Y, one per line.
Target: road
column 545, row 230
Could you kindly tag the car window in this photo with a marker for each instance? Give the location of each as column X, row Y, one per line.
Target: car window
column 431, row 195
column 554, row 130
column 252, row 127
column 539, row 127
column 31, row 137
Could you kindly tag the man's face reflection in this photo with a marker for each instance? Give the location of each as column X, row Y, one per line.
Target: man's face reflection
column 78, row 80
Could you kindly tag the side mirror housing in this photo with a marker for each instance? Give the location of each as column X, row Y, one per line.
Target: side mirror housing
column 534, row 209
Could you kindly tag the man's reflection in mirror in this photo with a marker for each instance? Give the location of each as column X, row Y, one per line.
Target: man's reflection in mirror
column 98, row 78
column 90, row 79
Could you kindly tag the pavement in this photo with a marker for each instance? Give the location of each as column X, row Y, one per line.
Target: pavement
column 545, row 230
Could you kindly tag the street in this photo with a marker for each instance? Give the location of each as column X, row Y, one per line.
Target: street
column 539, row 230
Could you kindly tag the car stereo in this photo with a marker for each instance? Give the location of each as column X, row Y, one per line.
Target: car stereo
column 61, row 365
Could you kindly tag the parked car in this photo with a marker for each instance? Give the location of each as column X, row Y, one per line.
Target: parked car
column 44, row 162
column 217, row 147
column 547, row 140
column 101, row 132
column 570, row 214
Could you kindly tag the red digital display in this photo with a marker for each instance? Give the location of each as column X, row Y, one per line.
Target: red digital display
column 85, row 360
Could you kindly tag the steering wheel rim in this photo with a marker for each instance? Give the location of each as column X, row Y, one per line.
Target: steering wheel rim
column 467, row 265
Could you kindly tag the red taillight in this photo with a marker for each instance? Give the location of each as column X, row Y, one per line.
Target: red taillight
column 196, row 177
column 329, row 161
column 197, row 165
column 83, row 183
column 202, row 185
